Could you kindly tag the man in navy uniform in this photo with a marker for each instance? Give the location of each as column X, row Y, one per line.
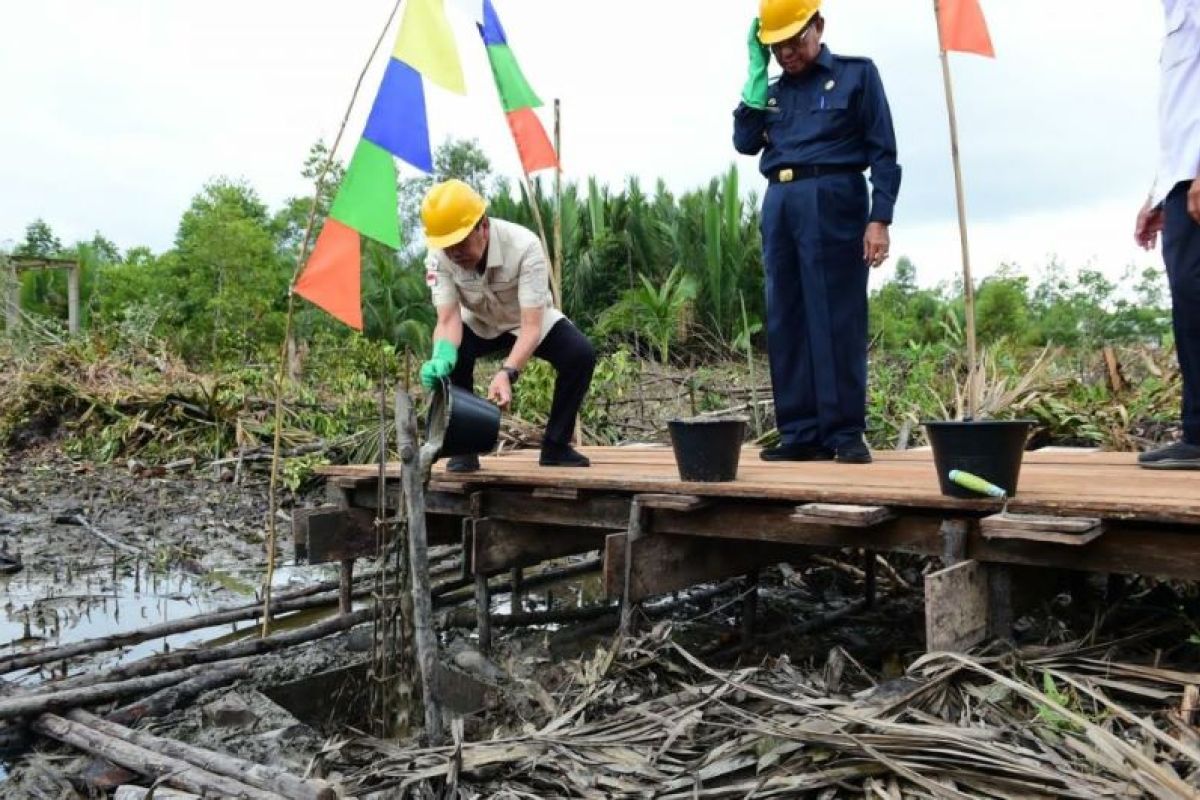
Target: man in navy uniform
column 819, row 128
column 1173, row 210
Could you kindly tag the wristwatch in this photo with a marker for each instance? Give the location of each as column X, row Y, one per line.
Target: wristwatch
column 513, row 373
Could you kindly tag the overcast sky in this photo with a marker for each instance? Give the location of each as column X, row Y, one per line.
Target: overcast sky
column 116, row 112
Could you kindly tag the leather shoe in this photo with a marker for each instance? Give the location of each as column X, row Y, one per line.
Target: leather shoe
column 463, row 464
column 563, row 456
column 854, row 453
column 796, row 452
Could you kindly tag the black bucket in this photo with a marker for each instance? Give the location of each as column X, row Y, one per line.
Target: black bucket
column 991, row 449
column 707, row 449
column 461, row 424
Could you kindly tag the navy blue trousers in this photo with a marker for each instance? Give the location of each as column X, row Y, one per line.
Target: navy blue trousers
column 1181, row 251
column 817, row 307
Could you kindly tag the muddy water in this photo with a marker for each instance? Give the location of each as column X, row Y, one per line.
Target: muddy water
column 44, row 610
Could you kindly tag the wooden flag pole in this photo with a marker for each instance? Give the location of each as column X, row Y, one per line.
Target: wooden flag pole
column 287, row 332
column 968, row 285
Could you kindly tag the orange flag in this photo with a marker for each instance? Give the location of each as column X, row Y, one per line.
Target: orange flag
column 963, row 27
column 332, row 279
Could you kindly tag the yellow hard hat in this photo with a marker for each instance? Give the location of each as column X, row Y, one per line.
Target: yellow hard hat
column 780, row 20
column 449, row 213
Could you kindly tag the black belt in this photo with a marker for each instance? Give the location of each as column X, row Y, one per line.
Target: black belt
column 789, row 174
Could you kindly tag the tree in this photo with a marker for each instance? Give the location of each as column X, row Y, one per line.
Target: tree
column 40, row 241
column 226, row 284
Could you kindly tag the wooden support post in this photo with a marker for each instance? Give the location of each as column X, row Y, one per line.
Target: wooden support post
column 954, row 541
column 518, row 591
column 870, row 562
column 413, row 471
column 637, row 523
column 1000, row 610
column 750, row 606
column 73, row 299
column 483, row 613
column 346, row 587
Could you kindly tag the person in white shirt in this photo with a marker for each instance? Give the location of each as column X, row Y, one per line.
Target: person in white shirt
column 491, row 287
column 1173, row 211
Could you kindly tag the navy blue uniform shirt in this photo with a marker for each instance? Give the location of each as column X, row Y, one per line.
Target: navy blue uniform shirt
column 833, row 113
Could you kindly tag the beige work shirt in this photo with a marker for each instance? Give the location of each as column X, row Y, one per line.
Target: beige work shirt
column 517, row 276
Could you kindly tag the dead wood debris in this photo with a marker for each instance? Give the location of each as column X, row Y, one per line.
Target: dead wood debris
column 655, row 721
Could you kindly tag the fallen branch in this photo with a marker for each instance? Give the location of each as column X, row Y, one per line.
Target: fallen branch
column 168, row 662
column 100, row 691
column 172, row 771
column 260, row 776
column 164, row 701
column 78, row 519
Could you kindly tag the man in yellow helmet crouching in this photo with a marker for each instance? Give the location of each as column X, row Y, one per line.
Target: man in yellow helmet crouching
column 491, row 287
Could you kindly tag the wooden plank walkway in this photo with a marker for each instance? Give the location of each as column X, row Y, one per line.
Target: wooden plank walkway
column 1108, row 485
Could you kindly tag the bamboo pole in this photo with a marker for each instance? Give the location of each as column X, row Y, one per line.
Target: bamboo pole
column 558, row 241
column 960, row 198
column 287, row 328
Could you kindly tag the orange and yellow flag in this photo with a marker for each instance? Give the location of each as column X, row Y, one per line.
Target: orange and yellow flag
column 963, row 28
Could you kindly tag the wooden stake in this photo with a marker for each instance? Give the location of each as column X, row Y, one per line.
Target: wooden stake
column 960, row 197
column 415, row 463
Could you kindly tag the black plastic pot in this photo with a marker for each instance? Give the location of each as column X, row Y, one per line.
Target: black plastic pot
column 461, row 424
column 991, row 449
column 708, row 449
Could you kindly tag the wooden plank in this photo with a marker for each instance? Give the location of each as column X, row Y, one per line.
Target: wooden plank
column 448, row 486
column 555, row 493
column 335, row 534
column 1038, row 522
column 605, row 511
column 956, row 607
column 673, row 502
column 774, row 523
column 500, row 544
column 1123, row 549
column 852, row 516
column 1106, row 485
column 662, row 564
column 352, row 481
column 1048, row 537
column 443, row 529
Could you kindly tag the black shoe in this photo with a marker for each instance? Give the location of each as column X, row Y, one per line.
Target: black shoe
column 563, row 456
column 796, row 452
column 1180, row 455
column 854, row 453
column 463, row 464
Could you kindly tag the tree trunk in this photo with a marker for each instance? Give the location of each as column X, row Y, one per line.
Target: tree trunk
column 164, row 701
column 260, row 776
column 211, row 655
column 174, row 772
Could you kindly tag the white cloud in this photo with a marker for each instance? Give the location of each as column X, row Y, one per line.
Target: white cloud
column 117, row 112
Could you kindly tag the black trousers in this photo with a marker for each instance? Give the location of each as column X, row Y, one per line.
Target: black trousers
column 1181, row 251
column 565, row 348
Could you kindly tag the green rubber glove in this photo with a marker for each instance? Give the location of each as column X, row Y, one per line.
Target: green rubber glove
column 754, row 93
column 445, row 356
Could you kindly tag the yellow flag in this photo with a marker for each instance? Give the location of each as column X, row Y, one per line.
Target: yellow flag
column 426, row 44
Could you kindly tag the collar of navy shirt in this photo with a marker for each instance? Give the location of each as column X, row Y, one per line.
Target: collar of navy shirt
column 824, row 60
